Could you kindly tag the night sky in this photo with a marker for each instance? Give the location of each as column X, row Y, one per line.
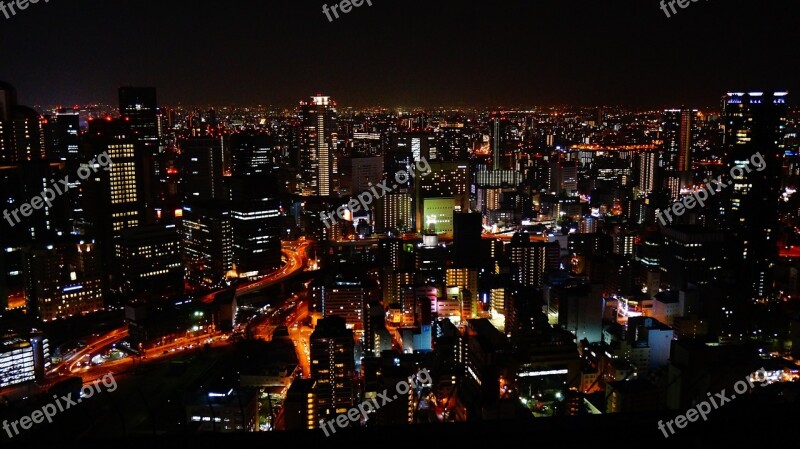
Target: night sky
column 401, row 52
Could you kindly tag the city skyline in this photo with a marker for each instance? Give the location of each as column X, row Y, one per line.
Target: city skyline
column 571, row 223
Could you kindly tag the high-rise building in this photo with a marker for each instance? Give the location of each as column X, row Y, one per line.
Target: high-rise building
column 466, row 279
column 256, row 221
column 580, row 310
column 497, row 143
column 691, row 254
column 530, row 260
column 150, row 257
column 420, row 145
column 207, row 243
column 332, row 358
column 252, row 154
column 138, row 105
column 564, row 177
column 115, row 196
column 394, row 213
column 344, row 298
column 63, row 280
column 21, row 137
column 318, row 144
column 678, row 134
column 754, row 124
column 23, row 358
column 648, row 172
column 362, row 173
column 62, row 135
column 430, row 261
column 203, row 168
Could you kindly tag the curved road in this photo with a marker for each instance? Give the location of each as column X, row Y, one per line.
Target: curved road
column 295, row 261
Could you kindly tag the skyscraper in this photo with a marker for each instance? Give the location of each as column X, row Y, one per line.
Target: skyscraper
column 115, row 198
column 531, row 260
column 679, row 130
column 62, row 135
column 318, row 144
column 333, row 367
column 497, row 143
column 20, row 129
column 648, row 172
column 63, row 279
column 207, row 243
column 204, row 165
column 755, row 122
column 138, row 105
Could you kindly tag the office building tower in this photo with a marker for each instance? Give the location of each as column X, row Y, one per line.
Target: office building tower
column 204, row 167
column 580, row 310
column 207, row 243
column 138, row 106
column 21, row 137
column 256, row 223
column 394, row 213
column 531, row 260
column 420, row 145
column 23, row 358
column 332, row 358
column 430, row 261
column 361, row 173
column 564, row 178
column 62, row 135
column 256, row 229
column 648, row 173
column 497, row 143
column 19, row 183
column 152, row 267
column 115, row 195
column 754, row 124
column 252, row 154
column 394, row 281
column 344, row 298
column 691, row 254
column 318, row 144
column 62, row 280
column 453, row 142
column 488, row 353
column 678, row 134
column 463, row 279
column 624, row 242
